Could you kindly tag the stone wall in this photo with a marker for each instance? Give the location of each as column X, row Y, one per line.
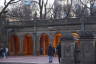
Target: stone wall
column 72, row 54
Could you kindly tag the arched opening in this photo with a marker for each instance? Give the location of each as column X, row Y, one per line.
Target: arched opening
column 57, row 39
column 28, row 45
column 44, row 43
column 14, row 45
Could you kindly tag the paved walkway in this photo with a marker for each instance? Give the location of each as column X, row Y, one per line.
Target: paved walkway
column 28, row 60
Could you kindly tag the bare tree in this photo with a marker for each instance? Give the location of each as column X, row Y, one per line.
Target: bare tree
column 45, row 7
column 42, row 8
column 20, row 12
column 62, row 10
column 68, row 8
column 92, row 9
column 6, row 5
column 41, row 3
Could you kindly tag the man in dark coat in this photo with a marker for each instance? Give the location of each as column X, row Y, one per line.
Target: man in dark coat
column 41, row 51
column 59, row 52
column 1, row 52
column 50, row 53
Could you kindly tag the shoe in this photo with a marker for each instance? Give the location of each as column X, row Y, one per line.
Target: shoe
column 50, row 61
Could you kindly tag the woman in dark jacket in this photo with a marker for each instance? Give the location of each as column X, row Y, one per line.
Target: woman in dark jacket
column 50, row 53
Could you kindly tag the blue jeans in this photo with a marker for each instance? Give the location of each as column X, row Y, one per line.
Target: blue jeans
column 50, row 58
column 4, row 54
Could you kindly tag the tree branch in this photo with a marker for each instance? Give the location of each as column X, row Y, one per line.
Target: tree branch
column 84, row 4
column 5, row 2
column 15, row 2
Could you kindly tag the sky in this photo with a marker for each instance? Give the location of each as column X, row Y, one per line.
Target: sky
column 2, row 2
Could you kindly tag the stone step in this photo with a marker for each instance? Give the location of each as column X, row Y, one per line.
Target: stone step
column 25, row 63
column 27, row 60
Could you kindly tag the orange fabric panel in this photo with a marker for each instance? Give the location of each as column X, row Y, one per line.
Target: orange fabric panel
column 28, row 45
column 11, row 46
column 57, row 39
column 44, row 43
column 14, row 44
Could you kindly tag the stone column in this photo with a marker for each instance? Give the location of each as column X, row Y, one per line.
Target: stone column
column 95, row 52
column 35, row 37
column 87, row 48
column 37, row 44
column 35, row 41
column 4, row 37
column 67, row 49
column 21, row 45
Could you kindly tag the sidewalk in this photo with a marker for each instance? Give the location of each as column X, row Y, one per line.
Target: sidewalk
column 28, row 60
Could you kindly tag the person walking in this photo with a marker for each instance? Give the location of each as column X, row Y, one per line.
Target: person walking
column 1, row 52
column 50, row 53
column 59, row 52
column 4, row 53
column 41, row 51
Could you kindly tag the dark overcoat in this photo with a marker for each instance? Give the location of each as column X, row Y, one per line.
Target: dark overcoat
column 50, row 51
column 59, row 50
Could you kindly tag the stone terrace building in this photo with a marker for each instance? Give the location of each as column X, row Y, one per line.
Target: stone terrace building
column 28, row 37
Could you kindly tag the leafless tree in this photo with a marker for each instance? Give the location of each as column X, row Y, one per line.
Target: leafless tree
column 62, row 10
column 41, row 3
column 45, row 7
column 92, row 8
column 6, row 5
column 42, row 8
column 20, row 12
column 68, row 8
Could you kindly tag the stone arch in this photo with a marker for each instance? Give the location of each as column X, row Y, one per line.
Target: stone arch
column 28, row 44
column 14, row 45
column 44, row 42
column 56, row 40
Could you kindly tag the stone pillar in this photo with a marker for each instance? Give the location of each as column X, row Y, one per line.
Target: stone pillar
column 67, row 49
column 35, row 41
column 87, row 48
column 4, row 37
column 35, row 38
column 38, row 44
column 95, row 52
column 21, row 45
